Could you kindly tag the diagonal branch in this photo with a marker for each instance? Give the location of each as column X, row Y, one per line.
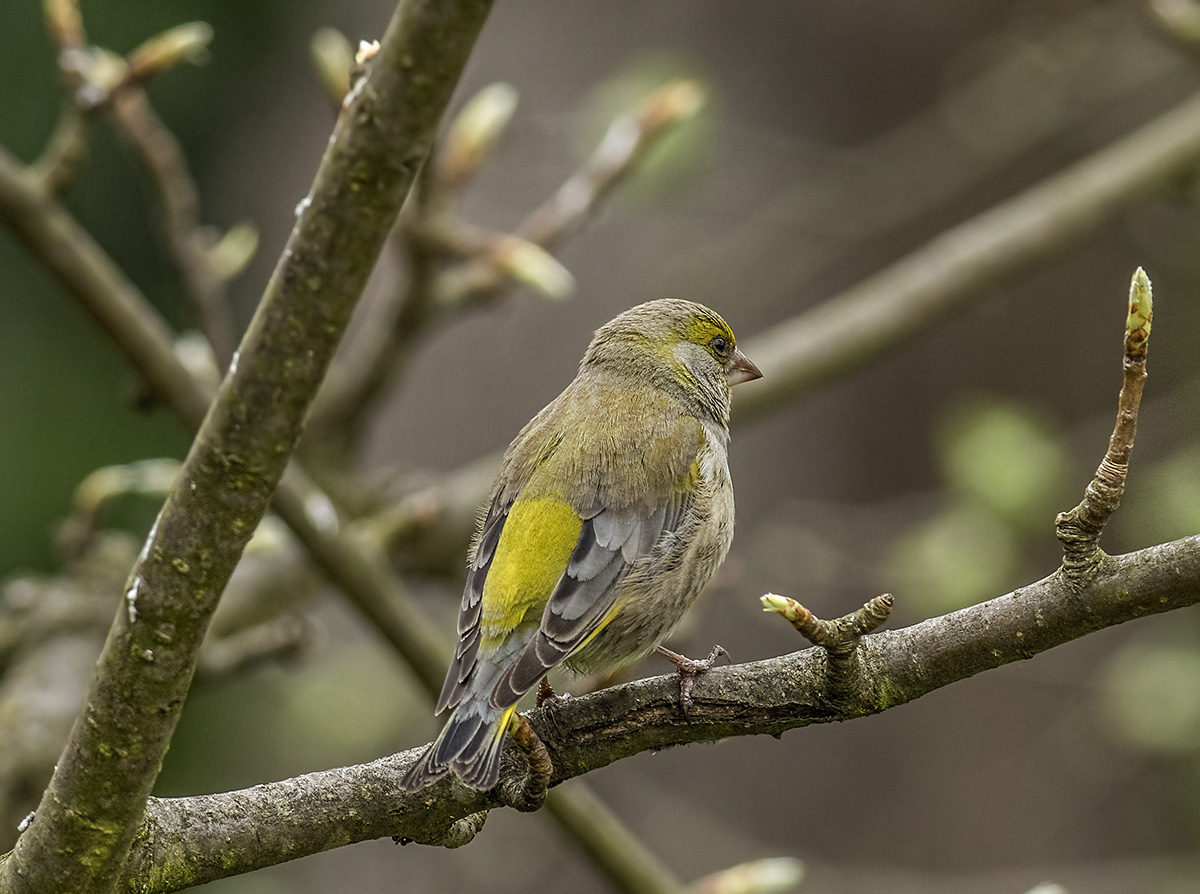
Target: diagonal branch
column 190, row 244
column 99, row 790
column 921, row 290
column 281, row 821
column 87, row 273
column 902, row 302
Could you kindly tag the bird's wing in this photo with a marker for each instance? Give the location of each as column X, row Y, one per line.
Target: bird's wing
column 472, row 601
column 585, row 598
column 523, row 547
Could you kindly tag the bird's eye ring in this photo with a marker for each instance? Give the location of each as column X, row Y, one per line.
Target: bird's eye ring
column 720, row 344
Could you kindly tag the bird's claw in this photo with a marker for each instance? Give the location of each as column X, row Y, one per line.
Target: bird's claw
column 547, row 697
column 689, row 669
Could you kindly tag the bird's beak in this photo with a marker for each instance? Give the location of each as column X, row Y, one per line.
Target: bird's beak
column 742, row 369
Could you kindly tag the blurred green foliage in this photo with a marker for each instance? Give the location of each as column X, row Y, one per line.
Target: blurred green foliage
column 1151, row 694
column 1006, row 459
column 681, row 156
column 338, row 707
column 67, row 401
column 1163, row 500
column 1005, row 472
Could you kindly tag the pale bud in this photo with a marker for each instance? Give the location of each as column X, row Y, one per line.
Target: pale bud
column 475, row 131
column 333, row 58
column 534, row 266
column 183, row 43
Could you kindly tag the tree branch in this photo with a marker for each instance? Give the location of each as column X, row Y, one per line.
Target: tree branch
column 432, row 233
column 99, row 790
column 1080, row 528
column 277, row 822
column 901, row 302
column 91, row 277
column 919, row 291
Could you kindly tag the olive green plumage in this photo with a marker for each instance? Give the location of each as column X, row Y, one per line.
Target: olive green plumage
column 612, row 510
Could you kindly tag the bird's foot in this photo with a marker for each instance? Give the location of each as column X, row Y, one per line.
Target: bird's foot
column 689, row 670
column 547, row 697
column 528, row 793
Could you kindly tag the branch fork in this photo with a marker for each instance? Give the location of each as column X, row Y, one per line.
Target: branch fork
column 839, row 638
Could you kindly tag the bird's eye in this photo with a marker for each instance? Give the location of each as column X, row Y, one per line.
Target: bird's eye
column 720, row 344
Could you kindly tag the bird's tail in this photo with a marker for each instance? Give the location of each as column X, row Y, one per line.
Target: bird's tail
column 469, row 744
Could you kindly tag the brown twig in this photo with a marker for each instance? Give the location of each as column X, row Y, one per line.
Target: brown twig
column 839, row 638
column 190, row 244
column 1080, row 528
column 628, row 139
column 66, row 152
column 483, row 262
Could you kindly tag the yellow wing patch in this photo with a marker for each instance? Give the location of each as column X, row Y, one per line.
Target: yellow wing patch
column 537, row 541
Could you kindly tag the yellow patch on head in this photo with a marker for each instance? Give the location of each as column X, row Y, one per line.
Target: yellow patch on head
column 537, row 541
column 704, row 329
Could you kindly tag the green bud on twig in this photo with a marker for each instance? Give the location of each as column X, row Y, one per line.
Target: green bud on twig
column 333, row 58
column 183, row 43
column 474, row 132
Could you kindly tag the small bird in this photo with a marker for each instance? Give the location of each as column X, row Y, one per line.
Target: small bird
column 612, row 509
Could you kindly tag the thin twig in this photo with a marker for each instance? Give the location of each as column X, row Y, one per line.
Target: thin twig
column 628, row 140
column 190, row 244
column 839, row 638
column 355, row 386
column 1080, row 528
column 66, row 152
column 88, row 274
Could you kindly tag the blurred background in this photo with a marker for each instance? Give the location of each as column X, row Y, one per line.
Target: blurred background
column 836, row 138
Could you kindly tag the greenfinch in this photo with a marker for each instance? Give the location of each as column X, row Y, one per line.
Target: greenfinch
column 612, row 509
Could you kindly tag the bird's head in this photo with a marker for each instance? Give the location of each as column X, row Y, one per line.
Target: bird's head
column 678, row 345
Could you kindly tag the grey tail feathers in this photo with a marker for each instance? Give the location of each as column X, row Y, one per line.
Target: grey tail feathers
column 470, row 745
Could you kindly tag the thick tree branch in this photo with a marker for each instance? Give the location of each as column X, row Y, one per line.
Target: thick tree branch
column 91, row 277
column 99, row 790
column 282, row 821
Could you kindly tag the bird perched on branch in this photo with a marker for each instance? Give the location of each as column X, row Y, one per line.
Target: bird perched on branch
column 612, row 509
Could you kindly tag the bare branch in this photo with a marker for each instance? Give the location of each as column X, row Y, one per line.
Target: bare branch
column 282, row 821
column 101, row 784
column 912, row 296
column 1080, row 528
column 190, row 244
column 65, row 153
